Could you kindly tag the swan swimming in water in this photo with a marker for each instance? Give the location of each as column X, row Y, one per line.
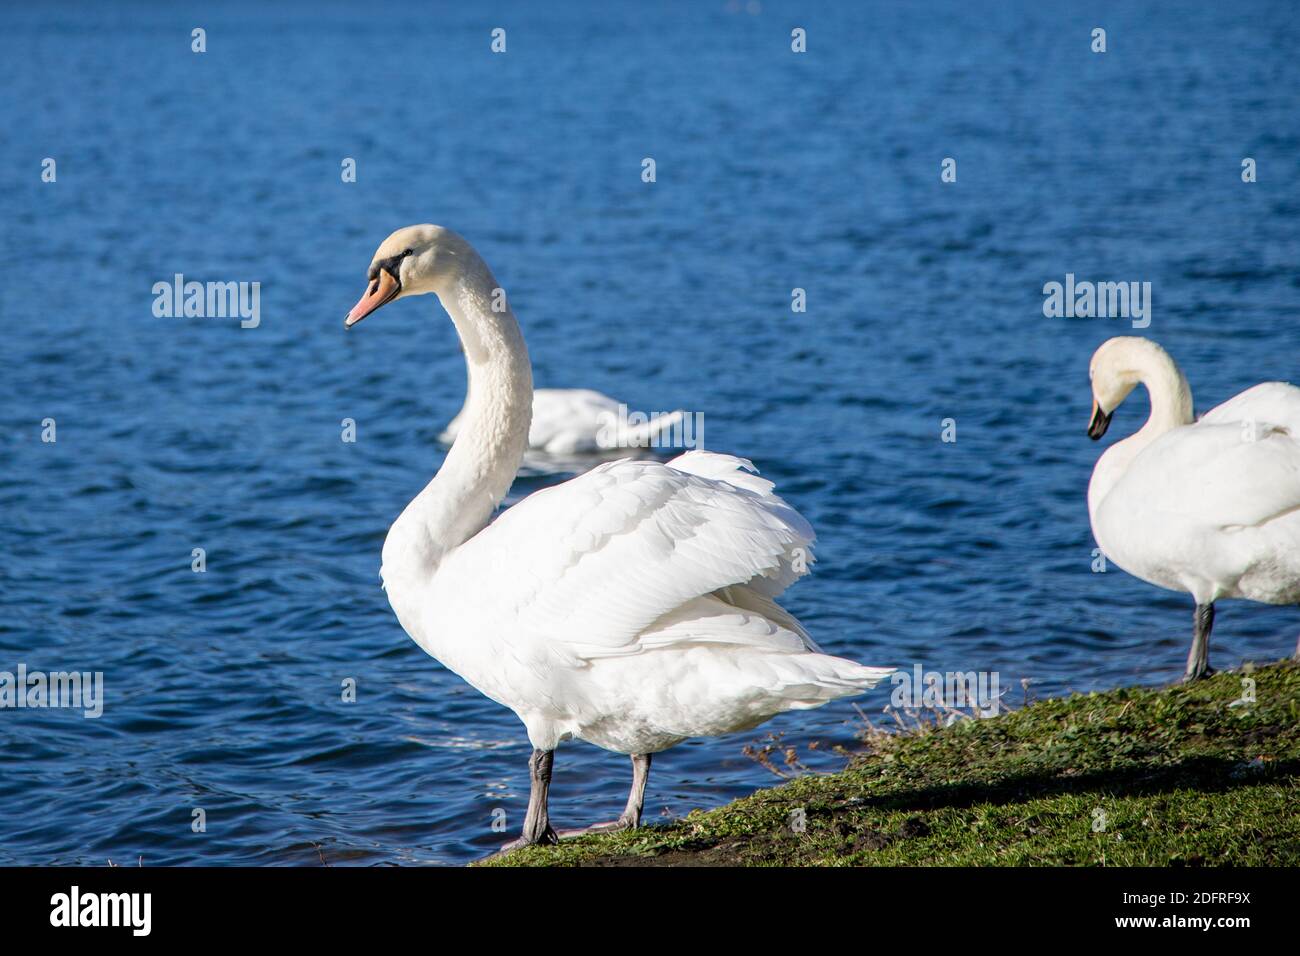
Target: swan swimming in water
column 580, row 421
column 1210, row 507
column 632, row 607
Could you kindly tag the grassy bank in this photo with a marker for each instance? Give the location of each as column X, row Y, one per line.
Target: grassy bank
column 1134, row 777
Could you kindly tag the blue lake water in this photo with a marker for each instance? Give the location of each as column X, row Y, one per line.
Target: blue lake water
column 774, row 170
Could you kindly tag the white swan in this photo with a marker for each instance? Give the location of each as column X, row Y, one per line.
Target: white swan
column 631, row 607
column 1211, row 508
column 580, row 421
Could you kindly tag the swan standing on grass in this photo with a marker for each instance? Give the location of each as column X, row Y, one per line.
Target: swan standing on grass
column 631, row 607
column 580, row 421
column 1212, row 507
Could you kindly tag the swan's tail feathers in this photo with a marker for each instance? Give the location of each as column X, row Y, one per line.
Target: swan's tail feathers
column 855, row 677
column 874, row 675
column 820, row 678
column 644, row 435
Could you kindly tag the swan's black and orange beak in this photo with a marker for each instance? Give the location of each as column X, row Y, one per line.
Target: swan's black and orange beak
column 384, row 287
column 1100, row 422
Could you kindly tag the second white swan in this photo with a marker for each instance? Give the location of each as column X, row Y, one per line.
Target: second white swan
column 631, row 607
column 1211, row 508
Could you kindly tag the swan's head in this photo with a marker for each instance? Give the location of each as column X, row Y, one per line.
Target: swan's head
column 412, row 261
column 1116, row 369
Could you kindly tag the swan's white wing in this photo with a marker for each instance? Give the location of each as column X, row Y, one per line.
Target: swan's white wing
column 590, row 564
column 1272, row 403
column 1234, row 475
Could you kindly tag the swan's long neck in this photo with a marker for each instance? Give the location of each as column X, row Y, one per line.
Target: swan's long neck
column 1171, row 407
column 483, row 461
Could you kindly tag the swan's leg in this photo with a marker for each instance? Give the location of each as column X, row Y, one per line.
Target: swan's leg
column 537, row 824
column 1198, row 659
column 631, row 817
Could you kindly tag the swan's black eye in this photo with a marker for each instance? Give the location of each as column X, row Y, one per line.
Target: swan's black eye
column 392, row 265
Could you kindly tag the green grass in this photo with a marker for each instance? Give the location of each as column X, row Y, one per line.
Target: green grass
column 1176, row 775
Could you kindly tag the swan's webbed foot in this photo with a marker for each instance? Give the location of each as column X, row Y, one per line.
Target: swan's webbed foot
column 630, row 818
column 548, row 837
column 1192, row 676
column 609, row 826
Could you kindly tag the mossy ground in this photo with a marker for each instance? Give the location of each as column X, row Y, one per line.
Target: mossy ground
column 1130, row 777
